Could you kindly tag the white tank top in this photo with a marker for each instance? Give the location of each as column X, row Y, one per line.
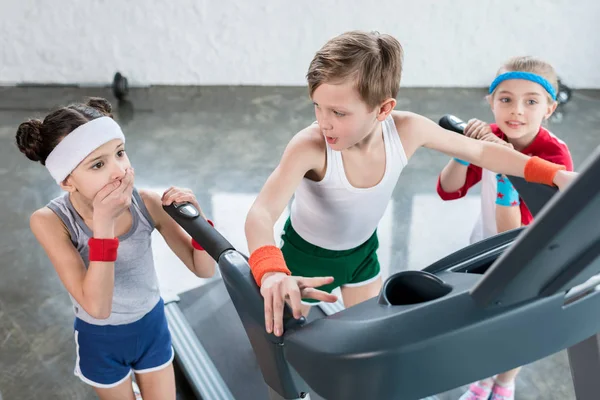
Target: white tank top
column 485, row 226
column 335, row 215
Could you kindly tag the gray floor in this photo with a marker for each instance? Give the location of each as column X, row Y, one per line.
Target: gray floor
column 218, row 141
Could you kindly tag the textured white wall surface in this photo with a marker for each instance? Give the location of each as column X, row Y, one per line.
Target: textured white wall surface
column 271, row 42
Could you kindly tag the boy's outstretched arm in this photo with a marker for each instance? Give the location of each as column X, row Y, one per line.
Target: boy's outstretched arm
column 419, row 131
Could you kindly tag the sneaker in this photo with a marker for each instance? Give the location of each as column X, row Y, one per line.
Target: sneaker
column 480, row 390
column 500, row 392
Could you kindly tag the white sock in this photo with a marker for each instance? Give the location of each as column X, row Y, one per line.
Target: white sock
column 508, row 385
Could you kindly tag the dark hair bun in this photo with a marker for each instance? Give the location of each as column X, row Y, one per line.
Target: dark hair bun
column 101, row 105
column 29, row 139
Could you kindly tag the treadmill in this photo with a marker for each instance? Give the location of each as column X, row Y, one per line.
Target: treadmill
column 520, row 296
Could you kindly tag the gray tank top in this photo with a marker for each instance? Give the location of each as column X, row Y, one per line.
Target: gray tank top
column 136, row 289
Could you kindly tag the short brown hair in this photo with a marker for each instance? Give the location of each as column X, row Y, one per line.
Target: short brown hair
column 533, row 65
column 373, row 60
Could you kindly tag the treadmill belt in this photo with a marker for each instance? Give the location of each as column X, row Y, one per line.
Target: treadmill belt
column 210, row 312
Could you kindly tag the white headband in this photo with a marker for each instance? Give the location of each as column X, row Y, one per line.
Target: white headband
column 77, row 145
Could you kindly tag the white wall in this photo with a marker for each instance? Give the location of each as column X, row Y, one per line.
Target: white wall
column 271, row 42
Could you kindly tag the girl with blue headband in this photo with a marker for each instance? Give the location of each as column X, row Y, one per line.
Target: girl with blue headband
column 521, row 97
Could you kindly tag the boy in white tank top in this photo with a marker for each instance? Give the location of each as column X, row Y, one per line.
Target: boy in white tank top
column 342, row 172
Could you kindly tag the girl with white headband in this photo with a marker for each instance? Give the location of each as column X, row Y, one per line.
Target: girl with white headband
column 522, row 97
column 98, row 238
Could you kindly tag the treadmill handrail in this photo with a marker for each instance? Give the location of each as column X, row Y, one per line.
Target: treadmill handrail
column 246, row 298
column 208, row 237
column 535, row 196
column 532, row 267
column 239, row 279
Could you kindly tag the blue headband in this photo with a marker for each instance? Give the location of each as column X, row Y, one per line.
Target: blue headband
column 524, row 75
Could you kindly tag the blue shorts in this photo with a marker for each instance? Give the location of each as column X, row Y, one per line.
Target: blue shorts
column 107, row 354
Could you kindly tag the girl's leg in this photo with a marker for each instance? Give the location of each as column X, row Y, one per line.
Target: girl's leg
column 508, row 377
column 504, row 389
column 157, row 385
column 124, row 391
column 153, row 367
column 355, row 294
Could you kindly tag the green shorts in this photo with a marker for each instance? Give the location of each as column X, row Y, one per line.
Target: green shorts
column 355, row 267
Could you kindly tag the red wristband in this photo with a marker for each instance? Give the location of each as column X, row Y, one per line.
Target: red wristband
column 195, row 244
column 103, row 250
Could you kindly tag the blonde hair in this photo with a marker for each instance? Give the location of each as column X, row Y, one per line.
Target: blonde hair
column 374, row 61
column 533, row 65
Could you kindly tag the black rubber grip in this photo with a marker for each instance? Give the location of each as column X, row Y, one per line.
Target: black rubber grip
column 453, row 123
column 208, row 237
column 536, row 195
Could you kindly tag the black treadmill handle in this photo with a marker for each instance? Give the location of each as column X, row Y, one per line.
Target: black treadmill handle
column 188, row 217
column 535, row 195
column 453, row 123
column 238, row 279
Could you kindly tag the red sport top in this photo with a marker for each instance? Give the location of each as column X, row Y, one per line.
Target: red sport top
column 545, row 145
